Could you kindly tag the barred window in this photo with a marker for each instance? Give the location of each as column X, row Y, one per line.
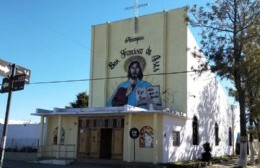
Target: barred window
column 176, row 138
column 114, row 123
column 122, row 123
column 195, row 131
column 230, row 136
column 216, row 135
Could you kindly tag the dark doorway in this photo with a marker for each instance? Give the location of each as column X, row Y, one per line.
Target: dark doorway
column 105, row 143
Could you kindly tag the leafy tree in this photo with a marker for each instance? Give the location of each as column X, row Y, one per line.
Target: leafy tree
column 252, row 83
column 225, row 25
column 80, row 102
column 251, row 79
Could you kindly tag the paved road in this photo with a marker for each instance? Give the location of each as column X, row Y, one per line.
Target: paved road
column 24, row 164
column 107, row 164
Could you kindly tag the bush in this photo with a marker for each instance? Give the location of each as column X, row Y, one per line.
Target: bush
column 206, row 155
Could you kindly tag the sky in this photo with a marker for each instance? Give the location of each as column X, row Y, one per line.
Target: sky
column 52, row 38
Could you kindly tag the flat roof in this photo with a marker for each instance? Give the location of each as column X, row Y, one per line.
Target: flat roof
column 93, row 111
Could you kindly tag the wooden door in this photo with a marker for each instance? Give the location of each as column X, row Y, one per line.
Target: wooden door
column 84, row 143
column 94, row 143
column 117, row 144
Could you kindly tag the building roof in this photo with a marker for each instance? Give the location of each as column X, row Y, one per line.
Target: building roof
column 121, row 110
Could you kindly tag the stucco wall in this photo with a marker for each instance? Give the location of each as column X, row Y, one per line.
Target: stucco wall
column 70, row 126
column 208, row 102
column 162, row 43
column 142, row 154
column 22, row 135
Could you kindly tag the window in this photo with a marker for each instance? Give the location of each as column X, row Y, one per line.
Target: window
column 230, row 136
column 106, row 123
column 122, row 123
column 216, row 135
column 114, row 123
column 195, row 131
column 94, row 123
column 176, row 138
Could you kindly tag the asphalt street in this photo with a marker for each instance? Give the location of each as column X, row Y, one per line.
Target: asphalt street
column 100, row 164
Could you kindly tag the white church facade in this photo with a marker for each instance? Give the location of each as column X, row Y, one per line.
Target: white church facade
column 142, row 78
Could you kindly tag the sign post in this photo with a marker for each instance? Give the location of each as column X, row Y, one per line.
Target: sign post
column 3, row 141
column 14, row 79
column 134, row 133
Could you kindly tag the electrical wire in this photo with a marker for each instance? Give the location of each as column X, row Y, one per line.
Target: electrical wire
column 94, row 79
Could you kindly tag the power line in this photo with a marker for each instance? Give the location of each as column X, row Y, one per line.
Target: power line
column 94, row 79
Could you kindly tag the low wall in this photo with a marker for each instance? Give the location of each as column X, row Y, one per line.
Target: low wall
column 20, row 156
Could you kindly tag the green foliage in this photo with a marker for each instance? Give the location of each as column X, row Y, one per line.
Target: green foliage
column 230, row 42
column 80, row 102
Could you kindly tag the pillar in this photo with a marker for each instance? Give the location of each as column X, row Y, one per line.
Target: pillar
column 41, row 140
column 129, row 140
column 59, row 135
column 155, row 138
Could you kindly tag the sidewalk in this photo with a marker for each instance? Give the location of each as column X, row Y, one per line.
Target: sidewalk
column 14, row 161
column 231, row 163
column 108, row 164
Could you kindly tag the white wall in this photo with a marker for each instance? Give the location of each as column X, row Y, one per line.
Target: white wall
column 208, row 102
column 170, row 152
column 20, row 135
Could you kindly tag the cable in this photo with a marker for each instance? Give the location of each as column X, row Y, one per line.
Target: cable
column 82, row 80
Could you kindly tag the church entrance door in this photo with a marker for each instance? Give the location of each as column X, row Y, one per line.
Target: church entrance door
column 105, row 143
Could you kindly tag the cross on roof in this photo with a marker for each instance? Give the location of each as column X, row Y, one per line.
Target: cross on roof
column 136, row 6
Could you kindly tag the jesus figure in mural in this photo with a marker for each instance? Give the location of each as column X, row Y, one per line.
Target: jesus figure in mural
column 132, row 91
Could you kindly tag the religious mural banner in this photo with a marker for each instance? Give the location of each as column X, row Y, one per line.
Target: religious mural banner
column 146, row 137
column 55, row 136
column 135, row 91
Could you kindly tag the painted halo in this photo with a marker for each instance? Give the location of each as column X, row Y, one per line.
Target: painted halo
column 131, row 59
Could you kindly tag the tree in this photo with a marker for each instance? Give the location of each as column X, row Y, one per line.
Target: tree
column 251, row 79
column 225, row 25
column 80, row 102
column 252, row 84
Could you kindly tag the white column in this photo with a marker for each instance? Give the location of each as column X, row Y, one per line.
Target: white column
column 155, row 138
column 59, row 134
column 129, row 140
column 41, row 137
column 41, row 131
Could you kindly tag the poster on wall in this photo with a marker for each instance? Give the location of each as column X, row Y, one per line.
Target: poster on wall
column 146, row 137
column 55, row 136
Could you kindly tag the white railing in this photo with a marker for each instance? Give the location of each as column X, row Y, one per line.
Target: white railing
column 57, row 151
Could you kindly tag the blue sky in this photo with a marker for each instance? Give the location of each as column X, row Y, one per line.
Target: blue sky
column 52, row 39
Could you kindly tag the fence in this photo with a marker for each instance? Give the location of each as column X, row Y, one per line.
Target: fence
column 57, row 151
column 22, row 144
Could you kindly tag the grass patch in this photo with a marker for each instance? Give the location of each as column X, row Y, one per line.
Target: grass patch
column 199, row 163
column 188, row 164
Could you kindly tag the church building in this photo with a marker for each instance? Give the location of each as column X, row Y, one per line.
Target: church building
column 146, row 104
